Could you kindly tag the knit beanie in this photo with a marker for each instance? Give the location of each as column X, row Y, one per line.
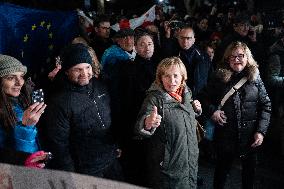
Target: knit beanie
column 9, row 65
column 75, row 54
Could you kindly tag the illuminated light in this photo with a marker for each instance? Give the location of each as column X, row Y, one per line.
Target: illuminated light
column 161, row 1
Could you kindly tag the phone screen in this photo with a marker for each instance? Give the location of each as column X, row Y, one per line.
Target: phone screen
column 37, row 96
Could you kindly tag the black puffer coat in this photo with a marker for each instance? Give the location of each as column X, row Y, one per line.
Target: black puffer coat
column 248, row 110
column 77, row 125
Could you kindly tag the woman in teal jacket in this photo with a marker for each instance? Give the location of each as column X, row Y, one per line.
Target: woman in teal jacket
column 17, row 117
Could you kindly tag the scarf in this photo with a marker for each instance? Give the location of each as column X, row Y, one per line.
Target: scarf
column 178, row 94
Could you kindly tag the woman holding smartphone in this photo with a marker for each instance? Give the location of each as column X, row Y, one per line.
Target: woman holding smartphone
column 18, row 116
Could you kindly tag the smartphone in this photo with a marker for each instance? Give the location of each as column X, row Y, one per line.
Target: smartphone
column 38, row 96
column 47, row 158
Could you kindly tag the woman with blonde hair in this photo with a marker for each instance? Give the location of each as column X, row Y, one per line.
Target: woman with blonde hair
column 242, row 119
column 167, row 118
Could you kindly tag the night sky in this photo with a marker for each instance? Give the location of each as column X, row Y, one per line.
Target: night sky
column 131, row 6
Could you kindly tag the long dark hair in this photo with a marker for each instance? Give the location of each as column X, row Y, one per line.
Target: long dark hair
column 7, row 116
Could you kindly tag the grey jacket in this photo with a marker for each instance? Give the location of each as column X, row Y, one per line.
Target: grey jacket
column 173, row 146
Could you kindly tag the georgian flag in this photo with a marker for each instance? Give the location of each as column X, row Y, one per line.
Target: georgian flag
column 148, row 16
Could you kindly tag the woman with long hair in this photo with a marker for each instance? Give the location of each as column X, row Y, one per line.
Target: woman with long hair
column 241, row 120
column 18, row 116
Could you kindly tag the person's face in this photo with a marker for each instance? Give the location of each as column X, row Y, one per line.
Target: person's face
column 126, row 43
column 210, row 52
column 172, row 79
column 145, row 47
column 80, row 74
column 238, row 60
column 12, row 84
column 186, row 38
column 203, row 24
column 103, row 30
column 242, row 29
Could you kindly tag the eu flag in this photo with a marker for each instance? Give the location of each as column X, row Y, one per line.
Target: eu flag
column 35, row 36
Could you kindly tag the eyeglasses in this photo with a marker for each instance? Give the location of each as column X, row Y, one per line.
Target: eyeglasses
column 239, row 57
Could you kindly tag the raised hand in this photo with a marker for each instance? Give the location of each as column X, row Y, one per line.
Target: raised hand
column 153, row 120
column 196, row 106
column 258, row 139
column 33, row 113
column 167, row 29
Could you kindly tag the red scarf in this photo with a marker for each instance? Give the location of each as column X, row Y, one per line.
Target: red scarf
column 178, row 94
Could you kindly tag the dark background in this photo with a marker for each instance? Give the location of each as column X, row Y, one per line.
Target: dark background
column 138, row 7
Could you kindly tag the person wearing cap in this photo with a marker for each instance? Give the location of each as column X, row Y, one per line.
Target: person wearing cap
column 77, row 120
column 120, row 52
column 18, row 116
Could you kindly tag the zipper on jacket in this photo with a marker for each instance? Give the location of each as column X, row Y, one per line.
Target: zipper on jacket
column 99, row 115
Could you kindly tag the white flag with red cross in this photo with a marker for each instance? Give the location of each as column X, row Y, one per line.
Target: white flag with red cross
column 148, row 16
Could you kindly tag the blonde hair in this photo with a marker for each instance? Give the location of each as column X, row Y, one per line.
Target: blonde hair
column 79, row 40
column 233, row 46
column 165, row 64
column 251, row 66
column 96, row 66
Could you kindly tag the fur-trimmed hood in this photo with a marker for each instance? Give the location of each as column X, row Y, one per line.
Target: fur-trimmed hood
column 250, row 71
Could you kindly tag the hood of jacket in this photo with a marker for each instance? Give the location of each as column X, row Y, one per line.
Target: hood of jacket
column 225, row 74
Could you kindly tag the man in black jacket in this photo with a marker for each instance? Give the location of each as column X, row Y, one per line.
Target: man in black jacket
column 78, row 120
column 100, row 39
column 134, row 79
column 197, row 63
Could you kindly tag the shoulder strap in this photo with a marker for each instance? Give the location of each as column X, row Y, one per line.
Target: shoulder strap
column 232, row 91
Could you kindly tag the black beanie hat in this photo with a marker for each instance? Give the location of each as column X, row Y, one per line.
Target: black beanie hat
column 75, row 54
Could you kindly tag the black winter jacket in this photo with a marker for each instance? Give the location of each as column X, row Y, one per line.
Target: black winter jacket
column 77, row 125
column 248, row 111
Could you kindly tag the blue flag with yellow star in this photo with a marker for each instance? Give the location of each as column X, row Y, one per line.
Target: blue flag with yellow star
column 35, row 36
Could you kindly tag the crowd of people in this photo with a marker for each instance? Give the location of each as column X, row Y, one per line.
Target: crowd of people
column 127, row 106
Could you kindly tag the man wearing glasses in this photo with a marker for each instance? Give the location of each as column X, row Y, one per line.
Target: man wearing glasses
column 100, row 39
column 197, row 63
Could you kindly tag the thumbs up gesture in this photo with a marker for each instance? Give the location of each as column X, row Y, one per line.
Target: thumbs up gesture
column 153, row 120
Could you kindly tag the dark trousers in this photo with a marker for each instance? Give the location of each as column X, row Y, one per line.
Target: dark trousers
column 113, row 171
column 224, row 164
